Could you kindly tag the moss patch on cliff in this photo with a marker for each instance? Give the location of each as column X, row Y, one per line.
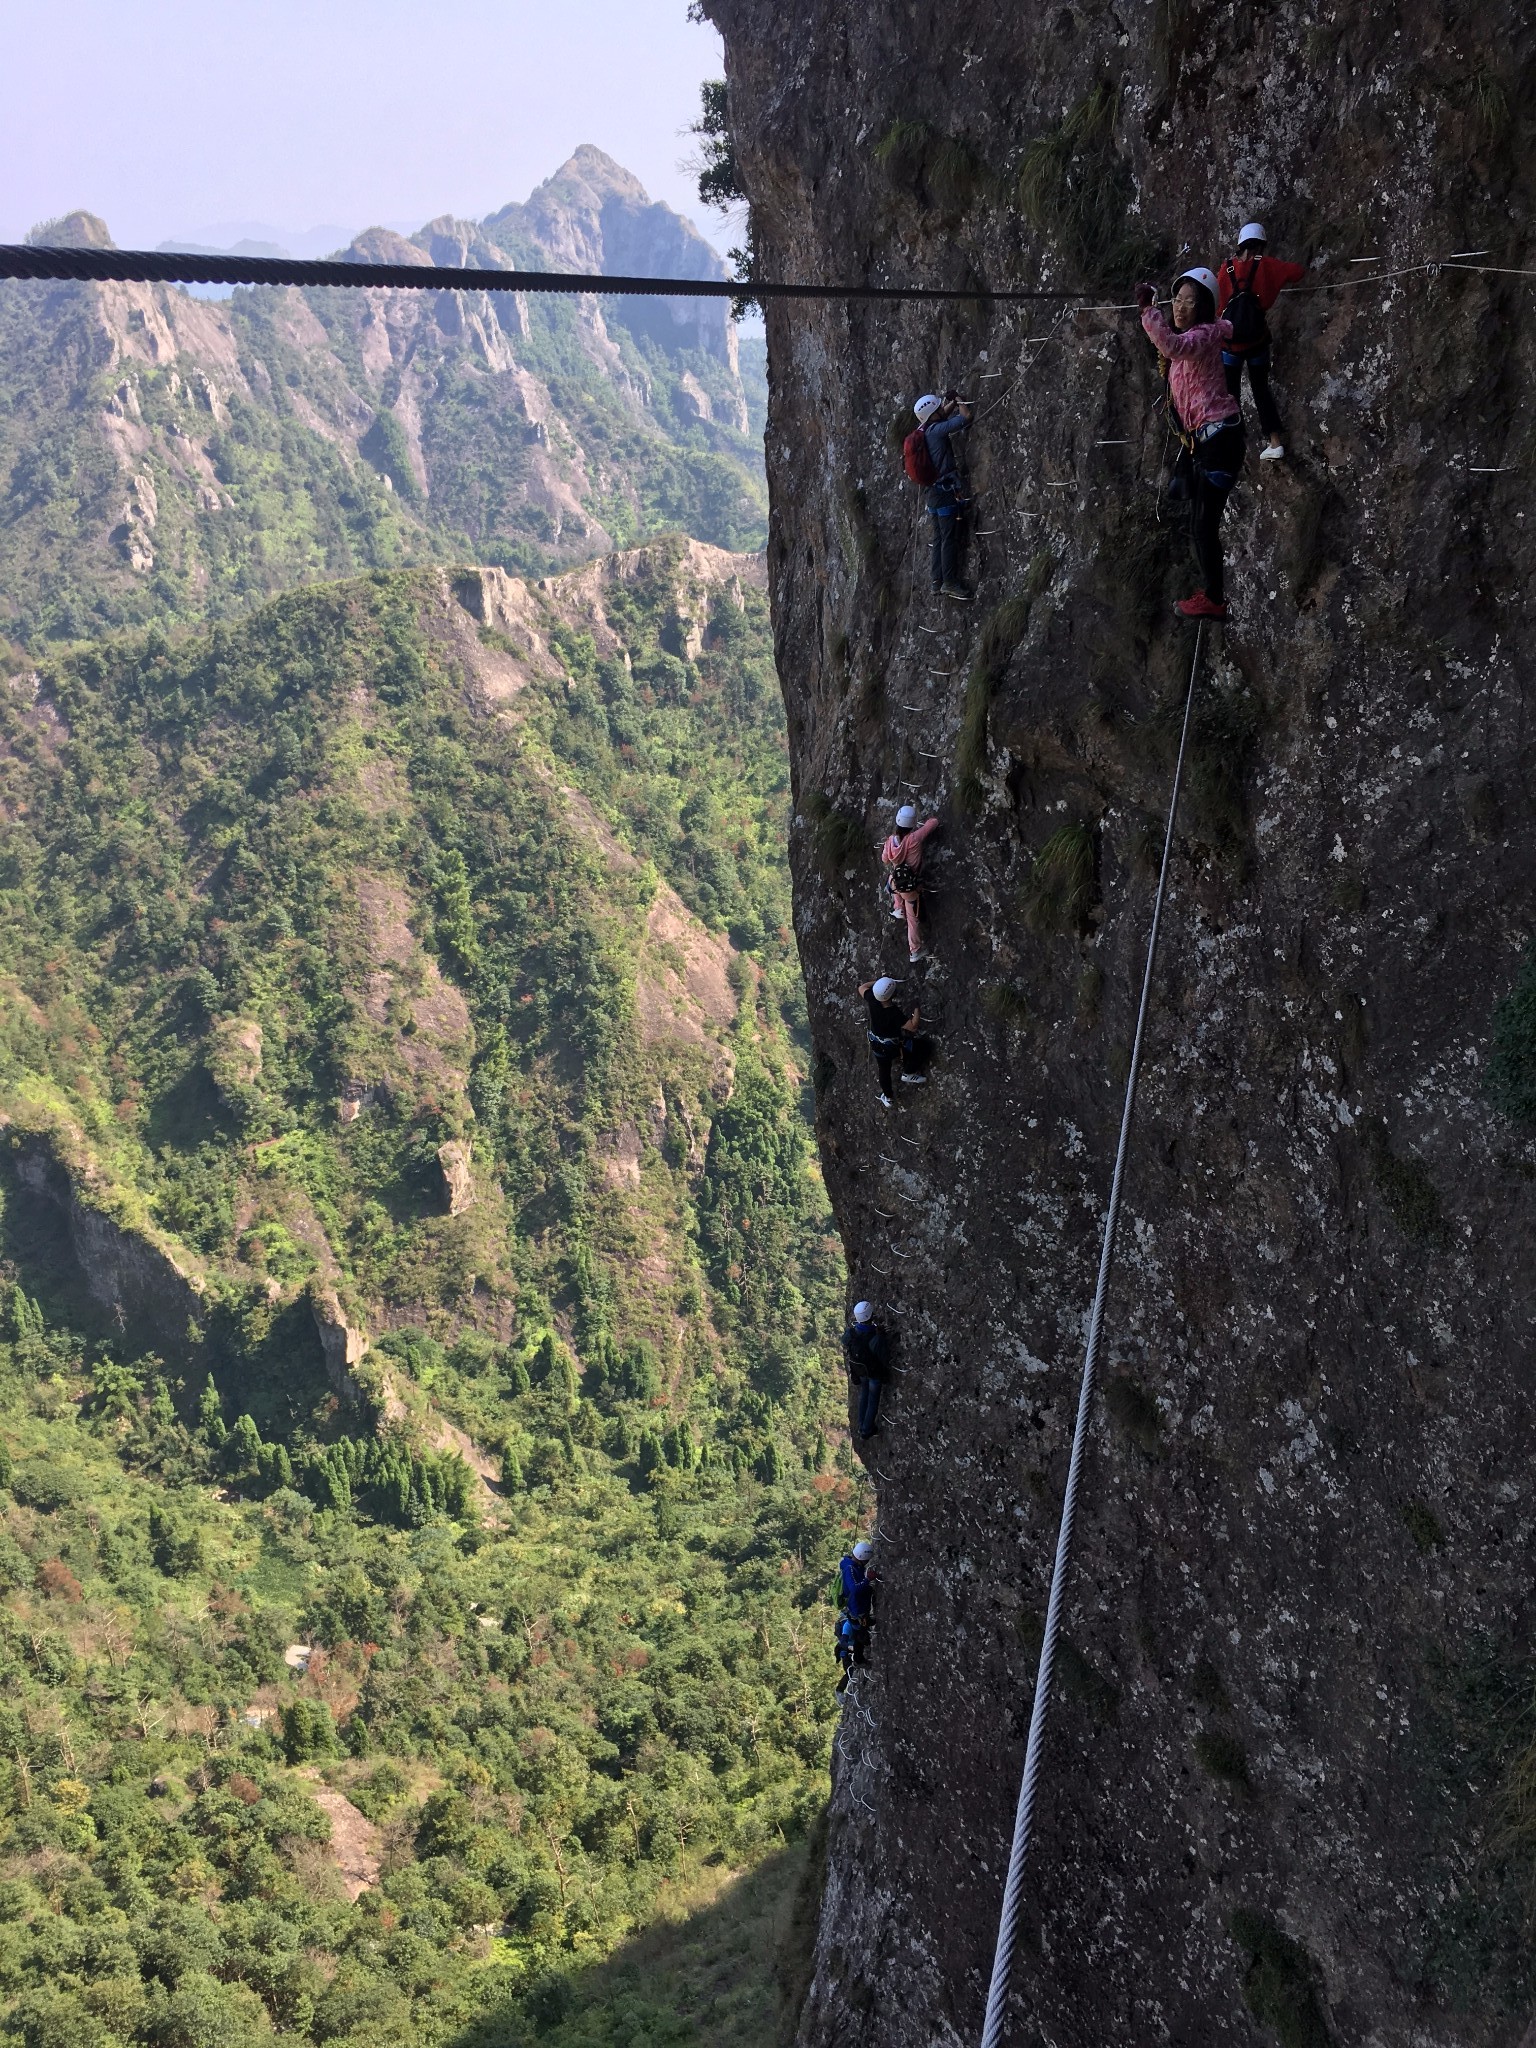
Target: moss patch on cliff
column 1511, row 1078
column 1279, row 1986
column 1000, row 638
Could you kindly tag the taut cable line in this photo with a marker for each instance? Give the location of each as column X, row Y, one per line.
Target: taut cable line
column 25, row 261
column 1008, row 1924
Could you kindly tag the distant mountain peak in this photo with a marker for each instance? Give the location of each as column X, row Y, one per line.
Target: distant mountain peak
column 77, row 230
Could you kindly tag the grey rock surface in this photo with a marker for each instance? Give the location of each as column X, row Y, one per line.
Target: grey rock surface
column 1303, row 1579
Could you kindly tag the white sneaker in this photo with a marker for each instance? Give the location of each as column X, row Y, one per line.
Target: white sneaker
column 897, row 916
column 913, row 958
column 915, row 1080
column 1271, row 455
column 885, row 1100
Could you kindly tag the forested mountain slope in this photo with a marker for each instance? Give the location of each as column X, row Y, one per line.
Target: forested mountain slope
column 422, row 1460
column 163, row 456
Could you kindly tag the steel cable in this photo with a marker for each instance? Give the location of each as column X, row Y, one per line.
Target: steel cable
column 1007, row 1931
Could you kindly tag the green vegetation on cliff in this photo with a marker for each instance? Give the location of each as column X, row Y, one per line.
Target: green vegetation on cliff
column 409, row 962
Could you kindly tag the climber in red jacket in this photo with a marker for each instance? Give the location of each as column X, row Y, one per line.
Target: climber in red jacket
column 1247, row 286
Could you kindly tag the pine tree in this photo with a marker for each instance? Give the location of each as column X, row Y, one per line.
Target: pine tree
column 210, row 1414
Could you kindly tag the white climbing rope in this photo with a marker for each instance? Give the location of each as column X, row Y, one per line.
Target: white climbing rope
column 1007, row 1931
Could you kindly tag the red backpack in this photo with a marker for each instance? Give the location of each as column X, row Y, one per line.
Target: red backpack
column 916, row 460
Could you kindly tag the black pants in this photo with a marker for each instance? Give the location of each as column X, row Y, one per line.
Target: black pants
column 910, row 1049
column 948, row 509
column 1209, row 476
column 1258, row 377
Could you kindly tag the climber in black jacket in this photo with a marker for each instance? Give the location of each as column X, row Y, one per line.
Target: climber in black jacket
column 892, row 1036
column 867, row 1352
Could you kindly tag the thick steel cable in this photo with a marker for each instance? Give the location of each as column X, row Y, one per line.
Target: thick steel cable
column 170, row 266
column 174, row 266
column 1007, row 1931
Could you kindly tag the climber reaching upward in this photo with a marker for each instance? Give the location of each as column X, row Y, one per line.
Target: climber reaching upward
column 1208, row 418
column 892, row 1036
column 902, row 857
column 1247, row 287
column 933, row 457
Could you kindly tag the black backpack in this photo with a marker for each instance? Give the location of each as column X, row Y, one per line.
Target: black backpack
column 1250, row 330
column 904, row 877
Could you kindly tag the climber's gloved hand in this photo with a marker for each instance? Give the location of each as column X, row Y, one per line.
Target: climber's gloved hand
column 951, row 395
column 1146, row 295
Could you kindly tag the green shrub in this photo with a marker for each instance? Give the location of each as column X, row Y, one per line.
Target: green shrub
column 308, row 1731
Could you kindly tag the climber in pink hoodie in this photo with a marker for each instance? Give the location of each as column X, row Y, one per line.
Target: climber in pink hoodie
column 902, row 856
column 1208, row 417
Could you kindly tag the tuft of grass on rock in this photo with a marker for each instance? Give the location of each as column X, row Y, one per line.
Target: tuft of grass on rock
column 1075, row 188
column 1059, row 892
column 1007, row 1003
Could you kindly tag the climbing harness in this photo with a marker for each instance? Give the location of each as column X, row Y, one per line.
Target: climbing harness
column 1007, row 1932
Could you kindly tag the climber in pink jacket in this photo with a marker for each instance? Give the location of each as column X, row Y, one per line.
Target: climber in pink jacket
column 902, row 856
column 1209, row 419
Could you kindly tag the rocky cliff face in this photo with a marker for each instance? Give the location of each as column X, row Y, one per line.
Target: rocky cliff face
column 1277, row 1801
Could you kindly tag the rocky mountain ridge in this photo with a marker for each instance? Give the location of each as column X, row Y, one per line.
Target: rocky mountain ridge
column 1282, row 1796
column 168, row 456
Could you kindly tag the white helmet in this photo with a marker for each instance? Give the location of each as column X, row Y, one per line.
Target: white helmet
column 1198, row 275
column 885, row 988
column 863, row 1552
column 863, row 1311
column 1253, row 232
column 906, row 817
column 926, row 407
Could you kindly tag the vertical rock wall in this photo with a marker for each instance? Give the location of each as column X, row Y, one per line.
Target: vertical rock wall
column 1303, row 1584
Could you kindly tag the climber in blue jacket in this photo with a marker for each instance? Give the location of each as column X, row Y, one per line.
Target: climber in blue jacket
column 856, row 1610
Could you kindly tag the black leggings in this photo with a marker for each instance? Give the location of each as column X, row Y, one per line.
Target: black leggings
column 1209, row 475
column 1258, row 377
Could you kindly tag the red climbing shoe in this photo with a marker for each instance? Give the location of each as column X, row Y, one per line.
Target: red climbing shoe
column 1200, row 607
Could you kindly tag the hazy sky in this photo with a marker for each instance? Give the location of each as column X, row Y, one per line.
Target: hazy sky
column 175, row 115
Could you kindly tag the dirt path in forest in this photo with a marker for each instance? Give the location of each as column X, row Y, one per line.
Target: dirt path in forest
column 354, row 1838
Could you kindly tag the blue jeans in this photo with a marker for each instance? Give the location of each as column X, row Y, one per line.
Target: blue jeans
column 869, row 1404
column 947, row 507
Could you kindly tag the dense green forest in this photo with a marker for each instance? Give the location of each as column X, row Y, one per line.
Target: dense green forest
column 422, row 1461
